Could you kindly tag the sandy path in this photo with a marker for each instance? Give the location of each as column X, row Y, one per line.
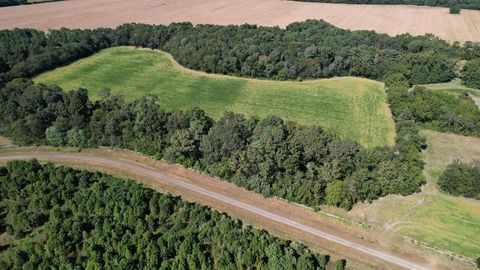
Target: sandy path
column 392, row 20
column 359, row 246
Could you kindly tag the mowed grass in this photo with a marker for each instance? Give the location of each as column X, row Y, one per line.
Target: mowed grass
column 433, row 217
column 454, row 87
column 452, row 223
column 354, row 108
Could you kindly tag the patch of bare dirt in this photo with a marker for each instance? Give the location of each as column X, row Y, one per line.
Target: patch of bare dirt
column 387, row 19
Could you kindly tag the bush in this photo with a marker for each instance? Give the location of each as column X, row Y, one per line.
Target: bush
column 460, row 179
column 455, row 10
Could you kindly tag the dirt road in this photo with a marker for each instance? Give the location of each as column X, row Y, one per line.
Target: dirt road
column 388, row 19
column 361, row 248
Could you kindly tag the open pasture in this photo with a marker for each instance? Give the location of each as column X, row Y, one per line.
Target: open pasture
column 354, row 108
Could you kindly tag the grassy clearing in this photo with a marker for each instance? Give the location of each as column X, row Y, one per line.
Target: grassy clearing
column 354, row 108
column 453, row 87
column 439, row 220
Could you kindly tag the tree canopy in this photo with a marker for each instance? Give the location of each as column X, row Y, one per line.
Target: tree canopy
column 64, row 218
column 461, row 179
column 306, row 50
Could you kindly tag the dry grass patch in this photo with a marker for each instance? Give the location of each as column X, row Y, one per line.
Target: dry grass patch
column 4, row 141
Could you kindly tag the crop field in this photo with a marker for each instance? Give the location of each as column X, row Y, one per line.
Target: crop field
column 392, row 20
column 352, row 107
column 431, row 217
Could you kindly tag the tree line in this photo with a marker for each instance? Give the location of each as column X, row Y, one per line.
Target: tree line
column 465, row 4
column 270, row 156
column 63, row 218
column 434, row 110
column 6, row 3
column 461, row 179
column 306, row 50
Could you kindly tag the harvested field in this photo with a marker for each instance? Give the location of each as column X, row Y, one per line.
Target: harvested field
column 388, row 19
column 355, row 108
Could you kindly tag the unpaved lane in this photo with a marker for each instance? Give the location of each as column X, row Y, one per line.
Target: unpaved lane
column 257, row 210
column 388, row 19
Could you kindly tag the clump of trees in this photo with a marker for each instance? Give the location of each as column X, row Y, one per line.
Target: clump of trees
column 471, row 74
column 5, row 3
column 27, row 52
column 65, row 218
column 311, row 49
column 461, row 179
column 269, row 156
column 455, row 9
column 466, row 4
column 436, row 110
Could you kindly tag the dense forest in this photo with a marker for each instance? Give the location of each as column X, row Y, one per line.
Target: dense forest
column 461, row 179
column 269, row 156
column 466, row 4
column 61, row 218
column 307, row 50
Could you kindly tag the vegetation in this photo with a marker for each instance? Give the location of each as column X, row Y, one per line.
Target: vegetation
column 351, row 107
column 466, row 4
column 460, row 179
column 311, row 49
column 4, row 3
column 430, row 217
column 436, row 110
column 455, row 9
column 63, row 218
column 471, row 74
column 269, row 156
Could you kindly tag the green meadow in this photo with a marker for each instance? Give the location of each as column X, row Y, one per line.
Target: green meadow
column 454, row 87
column 431, row 217
column 354, row 108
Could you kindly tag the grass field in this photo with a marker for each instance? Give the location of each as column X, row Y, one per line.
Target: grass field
column 432, row 217
column 354, row 108
column 454, row 87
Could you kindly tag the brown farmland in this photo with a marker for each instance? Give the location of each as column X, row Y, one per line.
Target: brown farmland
column 392, row 20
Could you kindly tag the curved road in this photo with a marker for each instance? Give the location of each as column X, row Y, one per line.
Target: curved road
column 371, row 252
